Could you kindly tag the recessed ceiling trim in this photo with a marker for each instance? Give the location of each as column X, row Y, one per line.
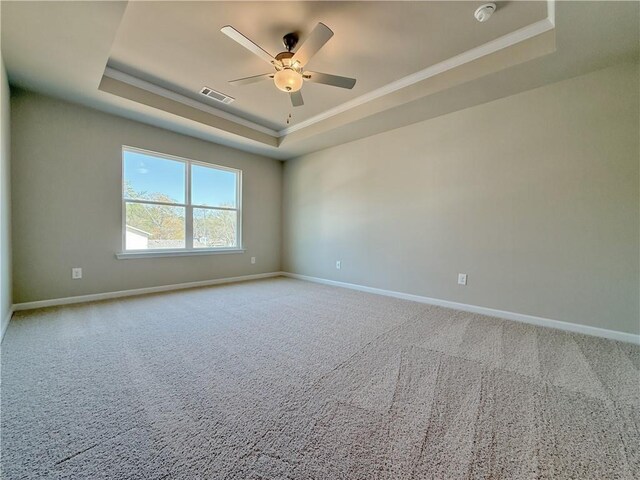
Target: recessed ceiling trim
column 178, row 109
column 488, row 48
column 163, row 92
column 551, row 11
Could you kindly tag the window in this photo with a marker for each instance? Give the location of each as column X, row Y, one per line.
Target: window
column 172, row 204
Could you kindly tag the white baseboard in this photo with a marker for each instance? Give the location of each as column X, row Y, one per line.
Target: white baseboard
column 6, row 321
column 138, row 291
column 518, row 317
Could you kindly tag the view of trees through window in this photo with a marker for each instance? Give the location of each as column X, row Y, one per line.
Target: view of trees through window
column 158, row 214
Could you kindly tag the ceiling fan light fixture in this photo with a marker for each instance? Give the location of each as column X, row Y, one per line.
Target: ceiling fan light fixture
column 288, row 80
column 290, row 74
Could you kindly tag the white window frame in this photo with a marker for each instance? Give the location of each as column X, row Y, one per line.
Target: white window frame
column 188, row 206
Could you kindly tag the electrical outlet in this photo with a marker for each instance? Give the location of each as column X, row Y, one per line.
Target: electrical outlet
column 462, row 279
column 338, row 264
column 253, row 260
column 76, row 273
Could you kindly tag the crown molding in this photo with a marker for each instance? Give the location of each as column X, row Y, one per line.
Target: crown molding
column 488, row 48
column 551, row 11
column 171, row 95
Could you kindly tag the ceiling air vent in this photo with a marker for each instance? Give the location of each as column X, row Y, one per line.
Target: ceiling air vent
column 217, row 96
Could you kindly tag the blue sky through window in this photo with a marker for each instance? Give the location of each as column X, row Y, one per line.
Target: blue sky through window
column 152, row 175
column 212, row 187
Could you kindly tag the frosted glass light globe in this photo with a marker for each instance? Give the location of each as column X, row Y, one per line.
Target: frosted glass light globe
column 288, row 80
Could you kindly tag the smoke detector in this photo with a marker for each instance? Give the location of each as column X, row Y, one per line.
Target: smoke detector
column 485, row 11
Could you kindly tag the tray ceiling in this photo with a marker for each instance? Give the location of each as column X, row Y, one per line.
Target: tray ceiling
column 179, row 46
column 413, row 61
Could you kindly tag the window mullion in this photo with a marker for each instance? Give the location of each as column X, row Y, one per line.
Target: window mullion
column 153, row 202
column 188, row 240
column 189, row 228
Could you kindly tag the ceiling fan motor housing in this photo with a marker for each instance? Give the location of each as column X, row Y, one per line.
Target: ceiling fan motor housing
column 285, row 59
column 290, row 41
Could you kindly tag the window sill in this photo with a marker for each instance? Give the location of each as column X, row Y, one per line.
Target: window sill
column 177, row 253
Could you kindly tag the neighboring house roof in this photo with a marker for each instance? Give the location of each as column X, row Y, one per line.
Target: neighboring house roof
column 163, row 243
column 137, row 230
column 166, row 243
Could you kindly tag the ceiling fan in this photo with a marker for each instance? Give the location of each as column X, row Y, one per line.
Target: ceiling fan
column 289, row 72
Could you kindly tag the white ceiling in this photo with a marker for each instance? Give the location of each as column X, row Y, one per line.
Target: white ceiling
column 180, row 47
column 62, row 49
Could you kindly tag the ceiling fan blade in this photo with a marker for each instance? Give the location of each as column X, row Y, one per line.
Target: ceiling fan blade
column 314, row 42
column 326, row 79
column 296, row 98
column 249, row 80
column 234, row 34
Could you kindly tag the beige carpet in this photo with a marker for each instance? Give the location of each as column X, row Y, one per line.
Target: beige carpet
column 283, row 379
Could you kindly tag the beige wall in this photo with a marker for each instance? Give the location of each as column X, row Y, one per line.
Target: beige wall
column 66, row 177
column 534, row 196
column 5, row 202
